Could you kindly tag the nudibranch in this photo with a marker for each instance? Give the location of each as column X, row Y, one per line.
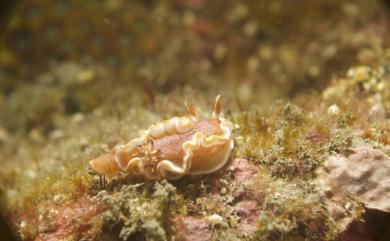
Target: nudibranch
column 172, row 148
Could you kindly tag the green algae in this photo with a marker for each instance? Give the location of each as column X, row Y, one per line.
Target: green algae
column 139, row 208
column 283, row 140
column 294, row 210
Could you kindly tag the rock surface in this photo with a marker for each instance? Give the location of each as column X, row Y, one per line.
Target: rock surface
column 238, row 180
column 67, row 221
column 363, row 176
column 248, row 211
column 238, row 174
column 191, row 228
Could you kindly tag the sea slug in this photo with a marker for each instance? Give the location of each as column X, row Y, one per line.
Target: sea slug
column 172, row 148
